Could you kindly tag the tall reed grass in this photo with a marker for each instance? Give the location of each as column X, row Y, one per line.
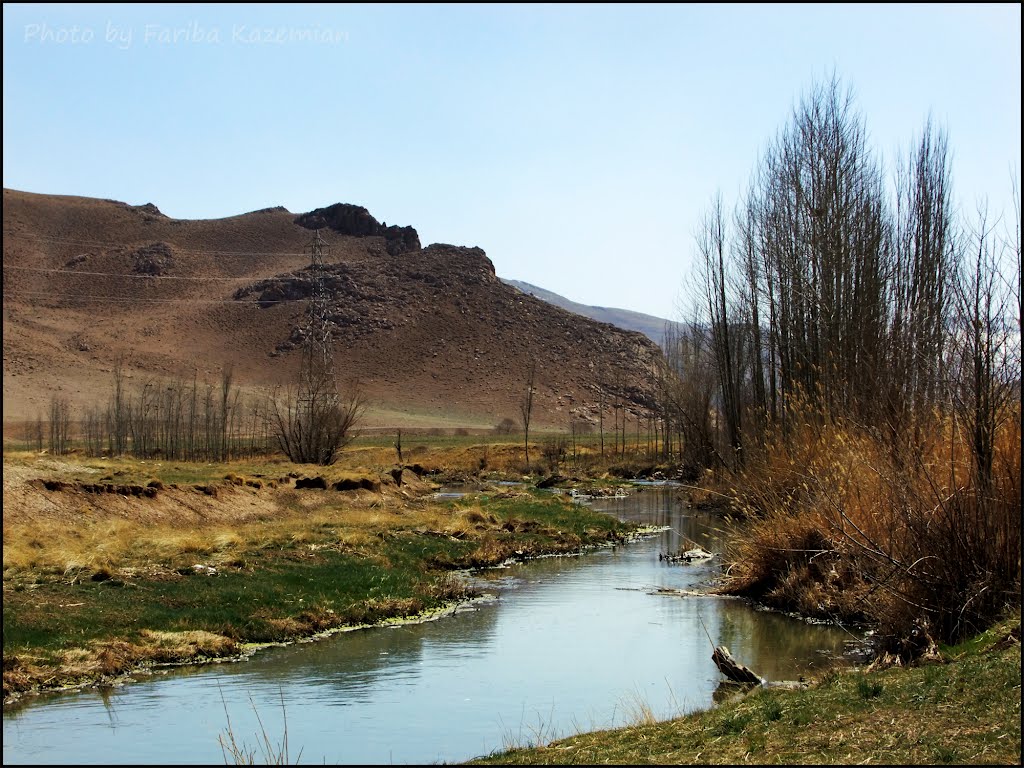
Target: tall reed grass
column 850, row 524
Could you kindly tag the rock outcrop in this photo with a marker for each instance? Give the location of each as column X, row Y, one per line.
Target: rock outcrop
column 356, row 221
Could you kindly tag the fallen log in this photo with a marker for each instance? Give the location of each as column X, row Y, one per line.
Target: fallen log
column 732, row 669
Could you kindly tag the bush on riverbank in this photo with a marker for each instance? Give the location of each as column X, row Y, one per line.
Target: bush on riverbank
column 847, row 524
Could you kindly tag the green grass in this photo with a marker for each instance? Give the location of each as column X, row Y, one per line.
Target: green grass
column 964, row 710
column 282, row 588
column 240, row 604
column 575, row 518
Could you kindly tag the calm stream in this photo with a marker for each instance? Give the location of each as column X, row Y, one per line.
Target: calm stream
column 569, row 644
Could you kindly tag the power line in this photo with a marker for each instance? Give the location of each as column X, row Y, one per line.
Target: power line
column 135, row 300
column 114, row 246
column 317, row 385
column 144, row 277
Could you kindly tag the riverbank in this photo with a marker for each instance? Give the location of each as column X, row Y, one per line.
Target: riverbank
column 112, row 568
column 220, row 535
column 961, row 707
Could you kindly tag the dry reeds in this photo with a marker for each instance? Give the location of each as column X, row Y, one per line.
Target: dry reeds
column 849, row 526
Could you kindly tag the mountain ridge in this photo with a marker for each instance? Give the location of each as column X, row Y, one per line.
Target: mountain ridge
column 652, row 326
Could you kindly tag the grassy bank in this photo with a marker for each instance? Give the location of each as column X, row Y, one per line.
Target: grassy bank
column 962, row 708
column 112, row 566
column 115, row 565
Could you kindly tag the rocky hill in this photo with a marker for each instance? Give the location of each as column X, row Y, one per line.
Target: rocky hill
column 430, row 335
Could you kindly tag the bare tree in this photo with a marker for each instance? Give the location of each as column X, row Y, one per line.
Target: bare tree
column 987, row 358
column 141, row 421
column 60, row 425
column 924, row 254
column 224, row 417
column 689, row 396
column 711, row 242
column 554, row 452
column 118, row 413
column 34, row 434
column 92, row 426
column 313, row 429
column 526, row 409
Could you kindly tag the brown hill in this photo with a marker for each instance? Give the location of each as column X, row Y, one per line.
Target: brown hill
column 431, row 335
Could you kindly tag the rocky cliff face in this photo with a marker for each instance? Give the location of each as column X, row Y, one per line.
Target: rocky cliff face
column 356, row 221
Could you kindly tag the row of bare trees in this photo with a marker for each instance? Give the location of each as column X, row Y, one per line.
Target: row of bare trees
column 835, row 296
column 179, row 420
column 827, row 285
column 201, row 421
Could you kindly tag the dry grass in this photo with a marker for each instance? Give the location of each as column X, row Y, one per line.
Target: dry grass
column 71, row 536
column 88, row 547
column 268, row 751
column 109, row 659
column 851, row 525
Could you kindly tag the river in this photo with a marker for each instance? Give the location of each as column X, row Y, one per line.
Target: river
column 566, row 644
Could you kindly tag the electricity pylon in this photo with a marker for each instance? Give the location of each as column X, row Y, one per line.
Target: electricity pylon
column 316, row 424
column 316, row 379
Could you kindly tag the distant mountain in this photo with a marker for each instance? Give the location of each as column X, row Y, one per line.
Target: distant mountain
column 651, row 326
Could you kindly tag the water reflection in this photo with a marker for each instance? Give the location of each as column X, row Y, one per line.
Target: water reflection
column 662, row 506
column 355, row 667
column 569, row 644
column 777, row 644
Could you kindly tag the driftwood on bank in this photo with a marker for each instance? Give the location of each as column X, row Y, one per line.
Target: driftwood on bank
column 733, row 669
column 697, row 553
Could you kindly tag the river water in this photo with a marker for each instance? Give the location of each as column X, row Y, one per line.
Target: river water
column 567, row 644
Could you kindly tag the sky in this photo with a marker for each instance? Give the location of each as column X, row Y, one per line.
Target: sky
column 578, row 145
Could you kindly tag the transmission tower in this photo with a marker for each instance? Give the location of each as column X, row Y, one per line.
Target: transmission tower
column 317, row 385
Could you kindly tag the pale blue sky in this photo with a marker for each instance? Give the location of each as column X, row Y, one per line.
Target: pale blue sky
column 577, row 145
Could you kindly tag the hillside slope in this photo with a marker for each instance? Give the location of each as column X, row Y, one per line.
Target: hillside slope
column 430, row 335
